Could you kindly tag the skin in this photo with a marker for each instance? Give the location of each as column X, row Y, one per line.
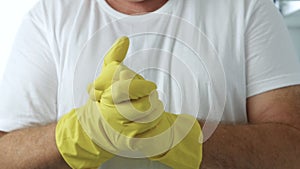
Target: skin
column 33, row 148
column 270, row 140
column 136, row 7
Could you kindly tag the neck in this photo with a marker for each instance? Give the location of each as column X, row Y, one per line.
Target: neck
column 136, row 7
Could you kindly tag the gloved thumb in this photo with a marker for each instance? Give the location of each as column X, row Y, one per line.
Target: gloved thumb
column 117, row 52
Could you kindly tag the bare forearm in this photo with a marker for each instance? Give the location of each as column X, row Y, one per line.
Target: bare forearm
column 252, row 146
column 33, row 148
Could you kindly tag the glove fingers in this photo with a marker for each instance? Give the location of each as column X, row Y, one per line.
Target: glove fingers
column 144, row 110
column 117, row 52
column 126, row 90
column 139, row 88
column 130, row 121
column 148, row 104
column 94, row 94
column 132, row 90
column 129, row 74
column 113, row 73
column 107, row 78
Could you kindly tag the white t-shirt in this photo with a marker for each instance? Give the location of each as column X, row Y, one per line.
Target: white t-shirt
column 206, row 56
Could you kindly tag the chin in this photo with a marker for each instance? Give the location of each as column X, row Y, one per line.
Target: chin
column 135, row 0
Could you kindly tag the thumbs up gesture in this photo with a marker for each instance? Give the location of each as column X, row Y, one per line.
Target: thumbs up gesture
column 124, row 97
column 88, row 136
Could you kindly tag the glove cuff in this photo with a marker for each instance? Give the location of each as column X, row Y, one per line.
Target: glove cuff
column 77, row 149
column 187, row 154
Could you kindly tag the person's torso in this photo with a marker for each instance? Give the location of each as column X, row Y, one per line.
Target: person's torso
column 193, row 50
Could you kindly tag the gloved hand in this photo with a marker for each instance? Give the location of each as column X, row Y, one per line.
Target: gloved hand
column 82, row 136
column 142, row 121
column 119, row 92
column 144, row 124
column 125, row 120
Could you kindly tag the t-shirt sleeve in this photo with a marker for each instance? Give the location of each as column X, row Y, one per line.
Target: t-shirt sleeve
column 271, row 59
column 28, row 88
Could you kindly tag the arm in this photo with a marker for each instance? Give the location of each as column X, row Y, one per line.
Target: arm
column 31, row 148
column 271, row 140
column 2, row 133
column 29, row 92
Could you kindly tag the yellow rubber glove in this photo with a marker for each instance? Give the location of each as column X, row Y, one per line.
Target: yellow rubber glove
column 143, row 125
column 73, row 142
column 75, row 146
column 179, row 136
column 186, row 142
